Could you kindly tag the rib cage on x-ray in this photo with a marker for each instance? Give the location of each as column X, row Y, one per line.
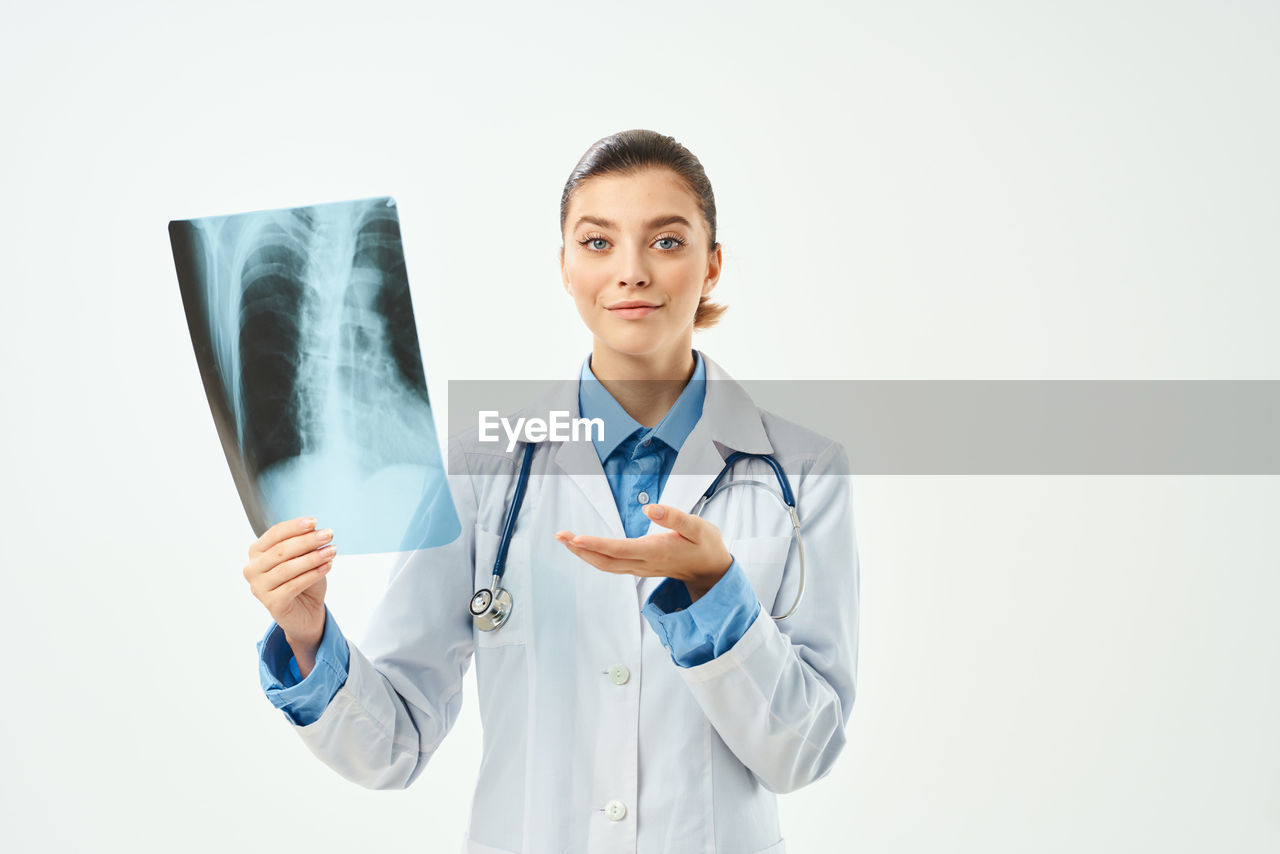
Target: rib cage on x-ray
column 311, row 327
column 300, row 342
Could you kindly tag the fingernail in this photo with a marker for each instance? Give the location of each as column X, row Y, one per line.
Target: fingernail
column 309, row 521
column 657, row 511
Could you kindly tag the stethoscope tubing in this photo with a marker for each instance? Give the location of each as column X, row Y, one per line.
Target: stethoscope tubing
column 499, row 565
column 494, row 608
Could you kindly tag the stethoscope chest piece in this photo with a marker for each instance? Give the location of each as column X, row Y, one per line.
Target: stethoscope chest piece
column 489, row 611
column 490, row 606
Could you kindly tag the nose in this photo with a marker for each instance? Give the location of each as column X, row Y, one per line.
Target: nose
column 635, row 268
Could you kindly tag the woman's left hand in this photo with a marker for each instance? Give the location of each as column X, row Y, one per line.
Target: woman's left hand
column 691, row 550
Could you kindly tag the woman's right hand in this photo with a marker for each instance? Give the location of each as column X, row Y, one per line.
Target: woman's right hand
column 286, row 571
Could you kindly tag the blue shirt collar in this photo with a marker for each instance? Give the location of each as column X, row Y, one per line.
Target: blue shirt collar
column 595, row 401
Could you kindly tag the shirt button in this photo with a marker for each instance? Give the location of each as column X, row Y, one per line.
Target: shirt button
column 645, row 442
column 619, row 674
column 616, row 810
column 643, row 497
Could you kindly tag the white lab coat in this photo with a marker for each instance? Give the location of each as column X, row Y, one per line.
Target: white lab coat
column 595, row 741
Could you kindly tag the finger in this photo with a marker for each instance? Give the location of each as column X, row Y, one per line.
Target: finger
column 609, row 564
column 302, row 581
column 676, row 519
column 611, row 546
column 290, row 548
column 279, row 532
column 284, row 573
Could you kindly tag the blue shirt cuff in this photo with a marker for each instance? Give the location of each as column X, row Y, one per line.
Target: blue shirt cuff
column 697, row 632
column 303, row 701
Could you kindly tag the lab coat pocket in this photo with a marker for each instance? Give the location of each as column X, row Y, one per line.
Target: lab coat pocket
column 513, row 579
column 763, row 559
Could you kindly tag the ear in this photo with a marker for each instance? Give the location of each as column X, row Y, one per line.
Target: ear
column 713, row 271
column 564, row 275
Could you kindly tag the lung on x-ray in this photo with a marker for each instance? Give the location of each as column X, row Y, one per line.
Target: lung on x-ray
column 305, row 339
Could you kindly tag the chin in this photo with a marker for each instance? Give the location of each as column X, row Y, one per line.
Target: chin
column 633, row 342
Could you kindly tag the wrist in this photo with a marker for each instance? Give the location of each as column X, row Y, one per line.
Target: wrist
column 702, row 585
column 303, row 647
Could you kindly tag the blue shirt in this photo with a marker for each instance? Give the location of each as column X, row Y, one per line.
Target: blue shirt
column 636, row 461
column 303, row 700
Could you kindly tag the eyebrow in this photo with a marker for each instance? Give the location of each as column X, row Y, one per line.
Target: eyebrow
column 656, row 222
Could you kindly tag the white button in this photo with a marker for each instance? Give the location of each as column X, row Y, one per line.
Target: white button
column 616, row 810
column 619, row 674
column 644, row 497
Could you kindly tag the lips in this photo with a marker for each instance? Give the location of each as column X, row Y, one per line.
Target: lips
column 635, row 311
column 632, row 303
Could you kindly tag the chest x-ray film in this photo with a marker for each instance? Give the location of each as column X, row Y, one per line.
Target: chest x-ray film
column 304, row 335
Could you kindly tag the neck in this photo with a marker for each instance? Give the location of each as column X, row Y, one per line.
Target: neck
column 645, row 386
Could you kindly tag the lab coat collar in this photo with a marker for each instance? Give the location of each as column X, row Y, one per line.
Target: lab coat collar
column 730, row 422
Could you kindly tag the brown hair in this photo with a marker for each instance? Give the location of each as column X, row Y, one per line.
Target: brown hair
column 630, row 151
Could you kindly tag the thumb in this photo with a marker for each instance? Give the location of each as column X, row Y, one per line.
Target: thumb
column 671, row 517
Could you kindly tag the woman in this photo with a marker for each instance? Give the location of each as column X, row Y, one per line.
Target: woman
column 641, row 695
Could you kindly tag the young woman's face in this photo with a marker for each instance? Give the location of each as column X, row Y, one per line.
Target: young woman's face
column 638, row 239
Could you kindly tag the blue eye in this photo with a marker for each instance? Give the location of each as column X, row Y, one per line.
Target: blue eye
column 590, row 241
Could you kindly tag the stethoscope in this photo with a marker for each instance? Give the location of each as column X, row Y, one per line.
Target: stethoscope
column 490, row 606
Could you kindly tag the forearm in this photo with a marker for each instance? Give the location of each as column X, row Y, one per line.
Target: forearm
column 782, row 717
column 781, row 697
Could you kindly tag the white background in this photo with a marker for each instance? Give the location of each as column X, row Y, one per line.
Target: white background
column 978, row 190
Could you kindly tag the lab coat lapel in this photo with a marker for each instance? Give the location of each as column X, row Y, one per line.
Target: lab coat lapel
column 579, row 461
column 730, row 422
column 581, row 464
